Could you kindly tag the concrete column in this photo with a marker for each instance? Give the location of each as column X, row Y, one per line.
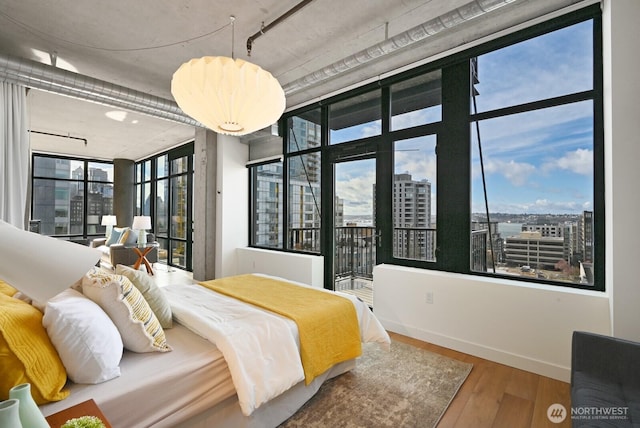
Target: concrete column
column 123, row 191
column 204, row 204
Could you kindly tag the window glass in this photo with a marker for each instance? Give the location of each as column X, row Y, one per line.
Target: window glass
column 161, row 223
column 416, row 101
column 162, row 166
column 304, row 202
column 179, row 207
column 59, row 205
column 267, row 205
column 304, row 131
column 147, row 170
column 555, row 64
column 59, row 191
column 355, row 118
column 532, row 189
column 414, row 198
column 101, row 171
column 52, row 167
column 180, row 165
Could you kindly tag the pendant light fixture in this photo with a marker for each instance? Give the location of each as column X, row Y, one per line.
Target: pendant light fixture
column 229, row 96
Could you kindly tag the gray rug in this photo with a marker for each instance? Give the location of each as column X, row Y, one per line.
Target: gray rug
column 406, row 387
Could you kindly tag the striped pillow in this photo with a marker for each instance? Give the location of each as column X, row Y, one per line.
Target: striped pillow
column 127, row 308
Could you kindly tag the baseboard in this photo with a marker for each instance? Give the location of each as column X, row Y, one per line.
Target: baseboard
column 522, row 362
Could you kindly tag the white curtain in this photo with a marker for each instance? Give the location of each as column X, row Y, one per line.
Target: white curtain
column 14, row 155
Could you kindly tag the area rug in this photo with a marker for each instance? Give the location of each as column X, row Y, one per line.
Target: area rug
column 404, row 387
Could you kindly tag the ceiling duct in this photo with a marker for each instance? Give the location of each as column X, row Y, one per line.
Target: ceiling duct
column 36, row 75
column 416, row 34
column 52, row 79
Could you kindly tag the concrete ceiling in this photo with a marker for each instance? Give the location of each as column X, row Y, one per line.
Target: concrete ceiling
column 139, row 44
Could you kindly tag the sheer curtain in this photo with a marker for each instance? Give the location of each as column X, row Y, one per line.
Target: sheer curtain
column 14, row 155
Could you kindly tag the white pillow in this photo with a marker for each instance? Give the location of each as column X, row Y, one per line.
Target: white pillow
column 138, row 326
column 86, row 339
column 152, row 293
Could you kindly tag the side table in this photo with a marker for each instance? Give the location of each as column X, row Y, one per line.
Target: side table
column 86, row 408
column 142, row 256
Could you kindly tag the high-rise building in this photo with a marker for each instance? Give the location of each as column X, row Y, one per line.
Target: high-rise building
column 413, row 234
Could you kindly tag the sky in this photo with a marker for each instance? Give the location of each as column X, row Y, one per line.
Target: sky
column 536, row 162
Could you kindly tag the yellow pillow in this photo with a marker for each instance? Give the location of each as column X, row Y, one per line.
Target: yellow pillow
column 6, row 289
column 125, row 235
column 27, row 354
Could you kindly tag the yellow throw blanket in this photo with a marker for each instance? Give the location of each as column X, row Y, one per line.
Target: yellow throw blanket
column 327, row 323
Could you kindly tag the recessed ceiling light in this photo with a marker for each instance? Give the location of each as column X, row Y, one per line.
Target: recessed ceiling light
column 46, row 58
column 118, row 115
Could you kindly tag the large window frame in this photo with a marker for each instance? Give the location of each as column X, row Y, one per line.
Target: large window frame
column 95, row 187
column 172, row 171
column 454, row 139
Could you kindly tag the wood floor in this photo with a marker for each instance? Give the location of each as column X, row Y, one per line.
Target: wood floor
column 493, row 396
column 499, row 396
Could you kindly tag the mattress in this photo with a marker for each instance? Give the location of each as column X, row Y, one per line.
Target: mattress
column 159, row 389
column 190, row 386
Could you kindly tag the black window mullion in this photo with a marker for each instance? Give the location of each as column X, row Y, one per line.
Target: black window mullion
column 454, row 172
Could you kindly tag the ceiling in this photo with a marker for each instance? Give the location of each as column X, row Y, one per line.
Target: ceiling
column 140, row 44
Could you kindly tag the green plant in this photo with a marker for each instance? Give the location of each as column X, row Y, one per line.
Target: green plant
column 84, row 422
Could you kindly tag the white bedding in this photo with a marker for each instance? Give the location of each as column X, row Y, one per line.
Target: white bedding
column 261, row 348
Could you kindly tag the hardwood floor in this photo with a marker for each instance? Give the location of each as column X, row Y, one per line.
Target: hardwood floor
column 493, row 396
column 499, row 396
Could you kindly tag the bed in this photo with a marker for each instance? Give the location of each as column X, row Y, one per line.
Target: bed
column 198, row 383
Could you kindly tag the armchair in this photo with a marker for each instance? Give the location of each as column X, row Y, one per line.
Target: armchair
column 122, row 254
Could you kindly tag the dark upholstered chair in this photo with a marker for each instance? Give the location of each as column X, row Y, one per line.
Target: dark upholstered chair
column 122, row 254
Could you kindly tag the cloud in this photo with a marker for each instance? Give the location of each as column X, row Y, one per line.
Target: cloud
column 579, row 161
column 517, row 173
column 357, row 192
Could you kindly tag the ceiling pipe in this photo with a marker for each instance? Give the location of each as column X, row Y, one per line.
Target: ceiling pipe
column 36, row 75
column 44, row 77
column 388, row 46
column 278, row 20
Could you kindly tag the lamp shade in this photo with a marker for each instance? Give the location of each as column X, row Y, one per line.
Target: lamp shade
column 141, row 222
column 230, row 96
column 108, row 220
column 41, row 266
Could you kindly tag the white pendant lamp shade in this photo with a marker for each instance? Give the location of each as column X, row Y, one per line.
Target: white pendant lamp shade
column 230, row 96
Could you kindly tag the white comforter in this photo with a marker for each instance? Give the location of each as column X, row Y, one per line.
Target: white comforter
column 261, row 348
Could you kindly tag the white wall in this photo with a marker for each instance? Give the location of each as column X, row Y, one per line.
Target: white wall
column 303, row 268
column 232, row 215
column 521, row 325
column 622, row 136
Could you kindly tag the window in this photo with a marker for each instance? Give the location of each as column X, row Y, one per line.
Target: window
column 267, row 196
column 355, row 118
column 70, row 196
column 416, row 101
column 304, row 202
column 414, row 195
column 164, row 191
column 533, row 180
column 510, row 132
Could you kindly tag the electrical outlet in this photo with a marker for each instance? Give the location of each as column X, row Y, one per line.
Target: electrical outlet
column 429, row 297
